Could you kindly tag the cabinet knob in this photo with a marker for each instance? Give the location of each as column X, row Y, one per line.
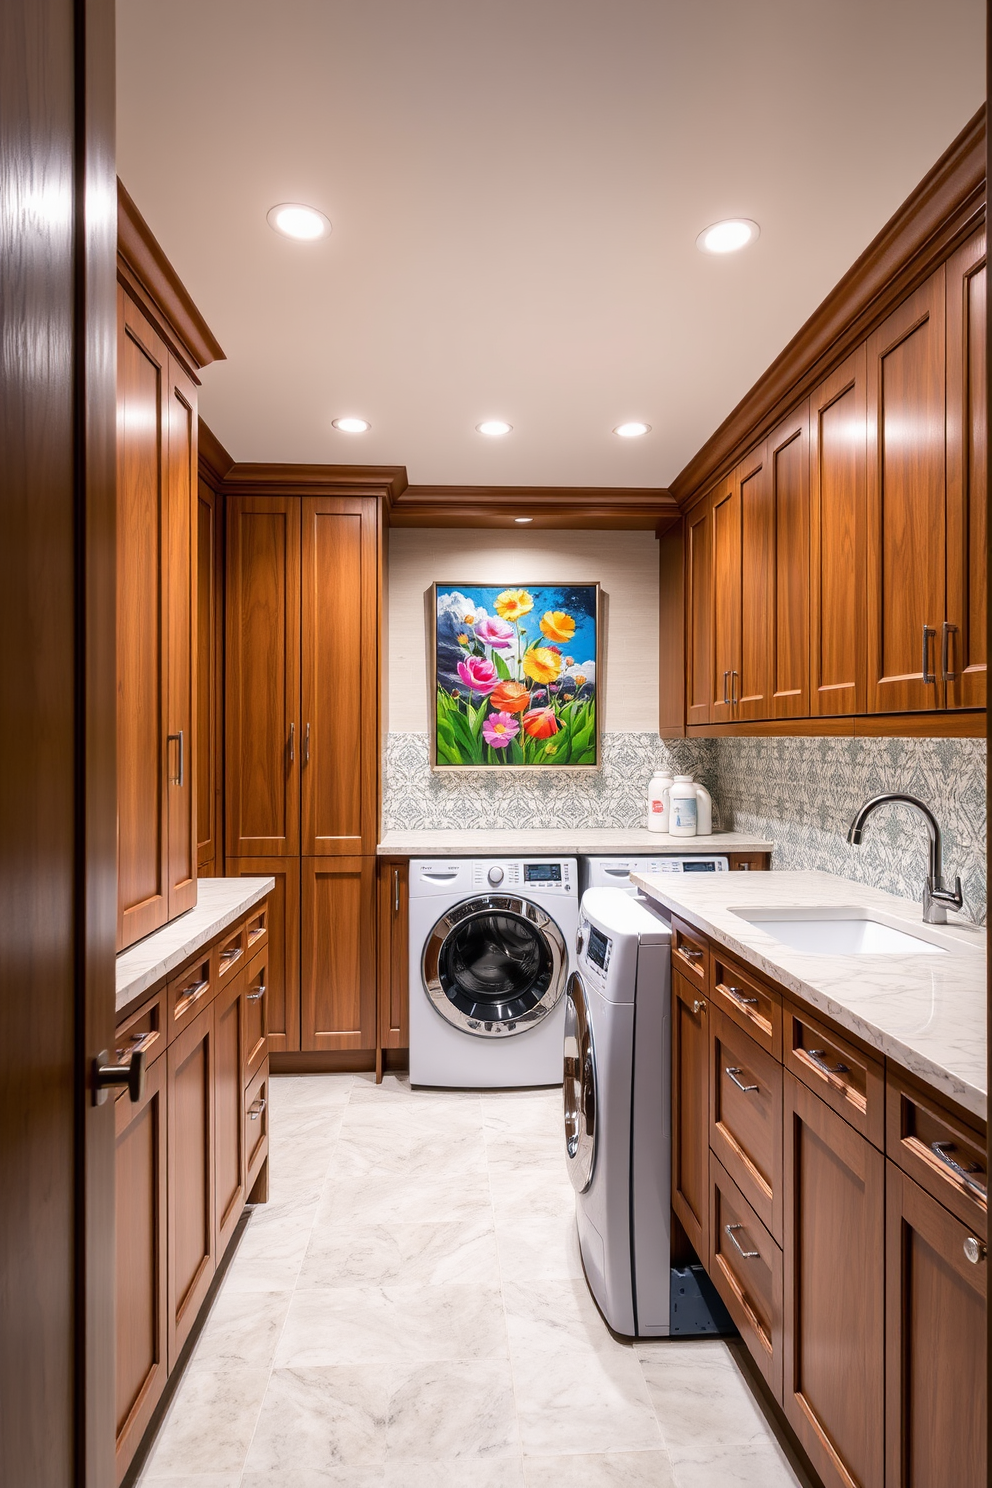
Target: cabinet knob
column 699, row 1006
column 974, row 1250
column 130, row 1072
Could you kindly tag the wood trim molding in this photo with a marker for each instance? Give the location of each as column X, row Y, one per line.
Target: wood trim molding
column 386, row 481
column 214, row 460
column 617, row 507
column 143, row 266
column 950, row 724
column 948, row 204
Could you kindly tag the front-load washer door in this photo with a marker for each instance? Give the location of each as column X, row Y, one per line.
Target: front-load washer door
column 495, row 965
column 579, row 1087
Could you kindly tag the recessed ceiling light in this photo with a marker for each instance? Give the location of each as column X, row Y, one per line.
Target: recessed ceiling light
column 729, row 236
column 351, row 425
column 494, row 427
column 294, row 220
column 632, row 431
column 523, row 519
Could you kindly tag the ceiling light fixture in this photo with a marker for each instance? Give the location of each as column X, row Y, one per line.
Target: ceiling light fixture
column 523, row 519
column 494, row 427
column 632, row 430
column 293, row 220
column 728, row 236
column 351, row 425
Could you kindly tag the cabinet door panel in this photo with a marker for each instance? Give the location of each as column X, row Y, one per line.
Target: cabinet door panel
column 282, row 997
column 906, row 508
column 751, row 687
column 838, row 555
column 699, row 612
column 208, row 847
column 263, row 743
column 788, row 468
column 745, row 1265
column 181, row 611
column 746, row 1123
column 192, row 1248
column 690, row 1111
column 726, row 590
column 394, row 955
column 228, row 1115
column 967, row 469
column 338, row 982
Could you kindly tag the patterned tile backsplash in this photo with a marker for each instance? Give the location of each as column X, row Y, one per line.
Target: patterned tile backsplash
column 802, row 793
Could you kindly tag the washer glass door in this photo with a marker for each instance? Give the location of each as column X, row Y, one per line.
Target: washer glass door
column 579, row 1087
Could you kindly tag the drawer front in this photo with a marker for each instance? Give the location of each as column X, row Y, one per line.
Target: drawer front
column 256, row 1124
column 231, row 952
column 255, row 1013
column 143, row 1030
column 746, row 1117
column 189, row 993
column 257, row 930
column 748, row 1002
column 745, row 1266
column 690, row 953
column 850, row 1082
column 937, row 1150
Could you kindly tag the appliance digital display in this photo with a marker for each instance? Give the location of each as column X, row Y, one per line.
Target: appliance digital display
column 599, row 947
column 542, row 873
column 699, row 867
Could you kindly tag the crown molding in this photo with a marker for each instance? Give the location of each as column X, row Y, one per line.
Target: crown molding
column 247, row 479
column 214, row 460
column 947, row 205
column 607, row 507
column 143, row 267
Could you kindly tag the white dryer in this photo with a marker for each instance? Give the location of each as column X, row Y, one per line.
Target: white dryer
column 491, row 948
column 614, row 872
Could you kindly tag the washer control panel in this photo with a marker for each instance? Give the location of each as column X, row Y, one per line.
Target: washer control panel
column 549, row 875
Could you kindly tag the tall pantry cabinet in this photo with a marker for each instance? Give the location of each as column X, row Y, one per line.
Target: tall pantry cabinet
column 303, row 607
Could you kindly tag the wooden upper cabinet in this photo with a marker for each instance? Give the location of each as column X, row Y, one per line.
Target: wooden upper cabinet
column 963, row 636
column 838, row 517
column 699, row 612
column 906, row 503
column 263, row 743
column 208, row 848
column 752, row 589
column 726, row 599
column 180, row 585
column 339, row 710
column 788, row 604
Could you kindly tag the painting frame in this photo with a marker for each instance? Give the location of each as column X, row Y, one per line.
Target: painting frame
column 593, row 612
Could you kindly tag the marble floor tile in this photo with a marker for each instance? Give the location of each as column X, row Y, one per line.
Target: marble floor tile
column 440, row 1412
column 529, row 1192
column 605, row 1470
column 411, row 1153
column 700, row 1396
column 373, row 1476
column 210, row 1422
column 583, row 1403
column 554, row 1315
column 467, row 1472
column 461, row 1251
column 199, row 1480
column 385, row 1198
column 764, row 1466
column 361, row 1325
column 243, row 1328
column 538, row 1247
column 316, row 1419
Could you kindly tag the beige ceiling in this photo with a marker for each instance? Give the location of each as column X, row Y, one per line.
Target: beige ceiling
column 516, row 188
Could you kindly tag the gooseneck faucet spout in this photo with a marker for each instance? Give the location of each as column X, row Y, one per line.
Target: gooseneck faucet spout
column 936, row 899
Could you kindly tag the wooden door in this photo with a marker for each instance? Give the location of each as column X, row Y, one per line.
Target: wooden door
column 282, row 997
column 262, row 678
column 690, row 1111
column 394, row 954
column 906, row 506
column 228, row 1116
column 179, row 585
column 340, row 689
column 834, row 1253
column 963, row 638
column 788, row 472
column 338, row 1001
column 142, row 636
column 838, row 541
column 141, row 1300
column 726, row 591
column 699, row 612
column 751, row 688
column 935, row 1343
column 209, row 849
column 192, row 1236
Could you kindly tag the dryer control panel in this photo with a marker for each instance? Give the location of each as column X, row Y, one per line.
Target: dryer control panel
column 526, row 875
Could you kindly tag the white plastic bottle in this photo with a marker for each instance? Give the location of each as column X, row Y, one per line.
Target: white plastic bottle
column 658, row 806
column 704, row 811
column 683, row 807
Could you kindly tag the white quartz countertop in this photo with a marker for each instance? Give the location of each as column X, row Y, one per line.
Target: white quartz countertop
column 219, row 902
column 925, row 1012
column 567, row 842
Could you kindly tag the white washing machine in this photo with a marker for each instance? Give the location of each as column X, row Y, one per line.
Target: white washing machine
column 492, row 943
column 614, row 873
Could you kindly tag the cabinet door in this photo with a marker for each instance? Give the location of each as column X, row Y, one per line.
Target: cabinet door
column 963, row 641
column 140, row 1218
column 726, row 590
column 338, row 981
column 142, row 640
column 788, row 473
column 180, row 604
column 935, row 1334
column 699, row 612
column 838, row 535
column 834, row 1252
column 282, row 997
column 690, row 1111
column 262, row 681
column 751, row 683
column 229, row 1088
column 192, row 1242
column 394, row 952
column 906, row 516
column 209, row 851
column 339, row 676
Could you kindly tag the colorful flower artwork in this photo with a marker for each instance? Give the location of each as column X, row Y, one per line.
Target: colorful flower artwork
column 515, row 676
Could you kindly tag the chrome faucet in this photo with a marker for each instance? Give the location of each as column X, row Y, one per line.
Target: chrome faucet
column 936, row 899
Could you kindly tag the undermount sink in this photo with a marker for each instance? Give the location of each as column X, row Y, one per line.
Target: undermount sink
column 842, row 930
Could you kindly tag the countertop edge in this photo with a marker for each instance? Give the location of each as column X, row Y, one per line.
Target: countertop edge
column 434, row 843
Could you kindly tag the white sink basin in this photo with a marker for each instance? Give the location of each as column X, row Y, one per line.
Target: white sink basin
column 843, row 930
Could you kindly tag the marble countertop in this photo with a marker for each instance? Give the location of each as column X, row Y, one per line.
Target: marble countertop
column 567, row 842
column 926, row 1013
column 219, row 902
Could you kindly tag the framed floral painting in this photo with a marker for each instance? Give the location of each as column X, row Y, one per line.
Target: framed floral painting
column 514, row 676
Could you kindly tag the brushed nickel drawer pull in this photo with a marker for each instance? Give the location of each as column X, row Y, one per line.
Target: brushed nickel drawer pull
column 943, row 1150
column 228, row 956
column 256, row 1108
column 749, row 1255
column 974, row 1250
column 733, row 1071
column 257, row 996
column 698, row 1006
column 690, row 955
column 738, row 996
column 190, row 994
column 140, row 1044
column 819, row 1058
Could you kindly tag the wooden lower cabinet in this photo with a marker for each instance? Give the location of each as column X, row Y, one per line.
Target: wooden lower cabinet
column 690, row 1110
column 394, row 954
column 282, row 995
column 936, row 1285
column 338, row 985
column 834, row 1258
column 745, row 1103
column 192, row 1236
column 141, row 1304
column 745, row 1265
column 230, row 1011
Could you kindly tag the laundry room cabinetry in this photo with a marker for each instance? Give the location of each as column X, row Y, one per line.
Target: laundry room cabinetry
column 394, row 954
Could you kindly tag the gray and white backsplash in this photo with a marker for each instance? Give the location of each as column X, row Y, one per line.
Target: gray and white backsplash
column 801, row 793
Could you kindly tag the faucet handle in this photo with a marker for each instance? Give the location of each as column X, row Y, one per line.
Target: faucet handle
column 937, row 900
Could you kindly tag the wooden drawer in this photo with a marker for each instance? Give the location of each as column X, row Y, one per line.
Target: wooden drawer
column 744, row 998
column 935, row 1148
column 256, row 1045
column 745, row 1266
column 231, row 953
column 690, row 953
column 145, row 1030
column 752, row 862
column 850, row 1082
column 746, row 1117
column 257, row 929
column 256, row 1124
column 189, row 993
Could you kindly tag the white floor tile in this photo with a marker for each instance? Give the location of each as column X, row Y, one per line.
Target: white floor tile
column 362, row 1325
